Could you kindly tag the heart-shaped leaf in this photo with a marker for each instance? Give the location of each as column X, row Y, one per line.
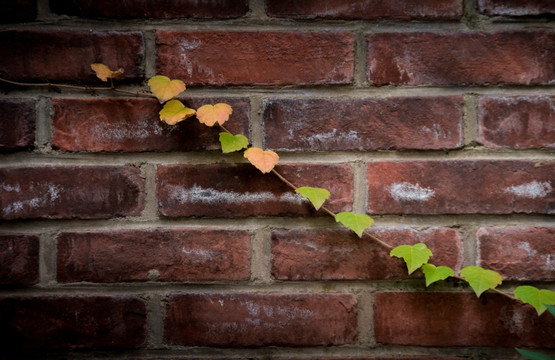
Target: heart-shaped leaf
column 535, row 297
column 414, row 255
column 481, row 279
column 164, row 88
column 174, row 111
column 263, row 160
column 317, row 196
column 104, row 73
column 355, row 222
column 231, row 143
column 212, row 114
column 433, row 273
column 533, row 355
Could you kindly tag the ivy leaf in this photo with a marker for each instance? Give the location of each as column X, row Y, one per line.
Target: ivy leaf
column 433, row 273
column 532, row 355
column 104, row 73
column 210, row 115
column 174, row 111
column 481, row 279
column 551, row 309
column 263, row 160
column 414, row 255
column 535, row 297
column 355, row 222
column 231, row 143
column 164, row 88
column 317, row 196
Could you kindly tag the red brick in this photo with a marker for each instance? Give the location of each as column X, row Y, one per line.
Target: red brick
column 509, row 57
column 339, row 254
column 19, row 259
column 57, row 192
column 241, row 190
column 17, row 124
column 366, row 9
column 458, row 319
column 522, row 122
column 364, row 124
column 165, row 255
column 164, row 9
column 242, row 319
column 461, row 187
column 518, row 253
column 255, row 58
column 134, row 125
column 72, row 322
column 516, row 7
column 14, row 11
column 67, row 55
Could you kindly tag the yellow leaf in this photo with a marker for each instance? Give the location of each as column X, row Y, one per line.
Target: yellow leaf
column 174, row 111
column 210, row 115
column 164, row 88
column 104, row 73
column 263, row 160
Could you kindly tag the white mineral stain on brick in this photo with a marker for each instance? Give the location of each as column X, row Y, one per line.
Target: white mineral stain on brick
column 410, row 192
column 49, row 193
column 531, row 190
column 199, row 255
column 198, row 194
column 344, row 138
column 10, row 188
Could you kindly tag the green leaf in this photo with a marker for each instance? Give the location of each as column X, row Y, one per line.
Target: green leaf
column 317, row 196
column 433, row 273
column 532, row 355
column 481, row 279
column 551, row 309
column 355, row 222
column 414, row 255
column 535, row 297
column 231, row 143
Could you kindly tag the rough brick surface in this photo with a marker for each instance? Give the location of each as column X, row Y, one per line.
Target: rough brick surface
column 521, row 122
column 518, row 253
column 70, row 192
column 461, row 187
column 364, row 124
column 64, row 55
column 516, row 7
column 255, row 58
column 17, row 124
column 509, row 57
column 134, row 125
column 458, row 319
column 340, row 254
column 234, row 320
column 366, row 9
column 165, row 255
column 14, row 11
column 19, row 259
column 242, row 190
column 72, row 322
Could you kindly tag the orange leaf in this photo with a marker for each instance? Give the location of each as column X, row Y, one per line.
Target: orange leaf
column 164, row 88
column 174, row 111
column 263, row 160
column 104, row 73
column 210, row 115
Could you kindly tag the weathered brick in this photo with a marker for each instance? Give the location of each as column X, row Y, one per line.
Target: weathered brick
column 242, row 319
column 461, row 187
column 17, row 124
column 14, row 11
column 340, row 254
column 364, row 124
column 516, row 7
column 72, row 322
column 241, row 190
column 255, row 58
column 134, row 125
column 366, row 9
column 165, row 255
column 458, row 319
column 67, row 55
column 58, row 192
column 521, row 122
column 518, row 253
column 19, row 259
column 509, row 57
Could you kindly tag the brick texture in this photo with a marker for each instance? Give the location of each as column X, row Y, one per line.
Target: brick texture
column 14, row 11
column 364, row 124
column 516, row 7
column 17, row 124
column 236, row 320
column 19, row 259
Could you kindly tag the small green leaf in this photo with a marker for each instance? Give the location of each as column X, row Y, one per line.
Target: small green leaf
column 317, row 196
column 355, row 222
column 433, row 273
column 535, row 297
column 481, row 279
column 551, row 309
column 532, row 355
column 414, row 255
column 231, row 143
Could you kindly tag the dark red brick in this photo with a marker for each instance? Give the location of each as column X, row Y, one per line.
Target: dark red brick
column 67, row 55
column 235, row 320
column 242, row 190
column 255, row 58
column 58, row 192
column 458, row 319
column 134, row 125
column 14, row 11
column 364, row 124
column 522, row 122
column 509, row 57
column 19, row 259
column 461, row 187
column 17, row 124
column 516, row 7
column 339, row 254
column 72, row 322
column 518, row 253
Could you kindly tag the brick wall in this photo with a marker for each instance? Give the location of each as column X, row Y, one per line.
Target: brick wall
column 123, row 237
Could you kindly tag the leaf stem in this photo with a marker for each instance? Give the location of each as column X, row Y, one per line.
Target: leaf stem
column 494, row 290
